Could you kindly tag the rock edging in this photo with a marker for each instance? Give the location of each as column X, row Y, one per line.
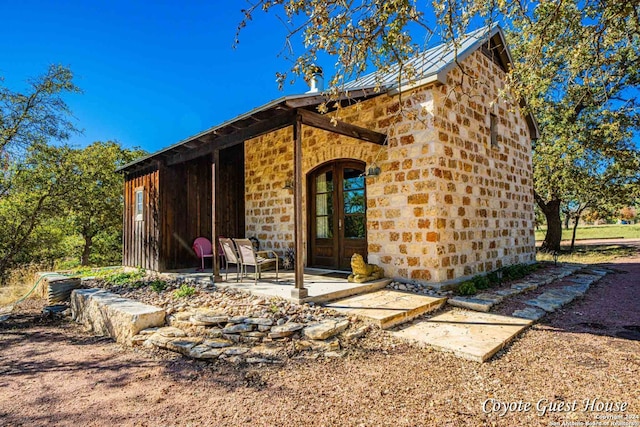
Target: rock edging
column 111, row 315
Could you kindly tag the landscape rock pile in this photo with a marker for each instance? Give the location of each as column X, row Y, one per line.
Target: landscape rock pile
column 420, row 288
column 239, row 327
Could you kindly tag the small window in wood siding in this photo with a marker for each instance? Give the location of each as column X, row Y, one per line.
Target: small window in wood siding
column 494, row 130
column 139, row 201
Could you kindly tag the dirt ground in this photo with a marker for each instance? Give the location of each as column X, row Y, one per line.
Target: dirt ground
column 53, row 373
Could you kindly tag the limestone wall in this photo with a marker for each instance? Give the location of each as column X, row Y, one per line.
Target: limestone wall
column 446, row 205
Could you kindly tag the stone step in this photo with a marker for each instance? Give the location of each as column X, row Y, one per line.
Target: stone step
column 468, row 334
column 387, row 308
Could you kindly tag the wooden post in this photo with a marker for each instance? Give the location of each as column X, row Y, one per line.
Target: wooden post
column 215, row 167
column 299, row 292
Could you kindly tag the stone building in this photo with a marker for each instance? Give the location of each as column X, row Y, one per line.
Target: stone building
column 430, row 179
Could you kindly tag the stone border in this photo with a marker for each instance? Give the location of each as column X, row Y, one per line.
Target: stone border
column 487, row 300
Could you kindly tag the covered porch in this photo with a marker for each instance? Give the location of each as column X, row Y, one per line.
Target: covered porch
column 202, row 192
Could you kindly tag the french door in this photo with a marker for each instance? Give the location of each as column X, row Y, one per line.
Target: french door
column 337, row 214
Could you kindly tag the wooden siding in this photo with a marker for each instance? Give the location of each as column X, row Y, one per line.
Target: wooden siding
column 185, row 211
column 141, row 235
column 177, row 210
column 230, row 219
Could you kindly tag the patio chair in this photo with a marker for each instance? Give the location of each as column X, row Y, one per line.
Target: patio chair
column 221, row 256
column 203, row 249
column 230, row 257
column 257, row 260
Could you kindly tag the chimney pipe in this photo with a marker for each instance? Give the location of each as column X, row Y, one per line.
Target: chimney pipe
column 316, row 82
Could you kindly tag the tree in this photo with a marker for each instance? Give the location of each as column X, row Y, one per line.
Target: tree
column 95, row 202
column 33, row 175
column 578, row 69
column 576, row 66
column 628, row 213
column 600, row 188
column 38, row 184
column 37, row 116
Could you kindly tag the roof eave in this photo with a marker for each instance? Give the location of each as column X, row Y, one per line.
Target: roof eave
column 285, row 101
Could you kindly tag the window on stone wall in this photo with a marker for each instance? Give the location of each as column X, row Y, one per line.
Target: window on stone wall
column 139, row 201
column 493, row 126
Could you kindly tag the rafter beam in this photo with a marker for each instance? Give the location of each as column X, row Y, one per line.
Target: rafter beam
column 310, row 118
column 224, row 141
column 348, row 95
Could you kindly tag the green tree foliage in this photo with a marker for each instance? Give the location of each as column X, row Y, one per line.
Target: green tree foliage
column 578, row 68
column 379, row 33
column 39, row 182
column 37, row 116
column 95, row 202
column 33, row 175
column 55, row 201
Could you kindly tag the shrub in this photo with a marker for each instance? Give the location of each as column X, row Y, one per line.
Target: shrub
column 481, row 282
column 494, row 278
column 505, row 274
column 518, row 271
column 467, row 288
column 184, row 291
column 122, row 278
column 158, row 285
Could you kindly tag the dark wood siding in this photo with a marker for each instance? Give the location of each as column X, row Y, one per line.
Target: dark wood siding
column 230, row 215
column 177, row 210
column 141, row 235
column 186, row 211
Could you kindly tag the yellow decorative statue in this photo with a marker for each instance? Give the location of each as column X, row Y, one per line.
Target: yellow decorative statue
column 363, row 272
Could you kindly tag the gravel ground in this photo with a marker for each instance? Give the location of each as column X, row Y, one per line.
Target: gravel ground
column 53, row 373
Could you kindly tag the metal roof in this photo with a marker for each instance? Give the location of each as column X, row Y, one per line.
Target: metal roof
column 433, row 63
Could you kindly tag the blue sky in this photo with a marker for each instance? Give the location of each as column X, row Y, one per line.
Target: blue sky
column 153, row 73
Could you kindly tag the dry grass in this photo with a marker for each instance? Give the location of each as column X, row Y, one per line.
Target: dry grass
column 592, row 254
column 18, row 284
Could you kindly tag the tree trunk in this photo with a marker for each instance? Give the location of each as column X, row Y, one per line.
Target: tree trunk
column 86, row 250
column 551, row 210
column 575, row 227
column 566, row 220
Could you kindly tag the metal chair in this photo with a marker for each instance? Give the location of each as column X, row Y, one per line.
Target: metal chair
column 230, row 257
column 257, row 260
column 203, row 249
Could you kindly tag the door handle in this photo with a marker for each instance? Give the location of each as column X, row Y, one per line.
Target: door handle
column 340, row 223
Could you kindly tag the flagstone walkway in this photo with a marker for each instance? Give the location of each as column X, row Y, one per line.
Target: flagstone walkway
column 469, row 330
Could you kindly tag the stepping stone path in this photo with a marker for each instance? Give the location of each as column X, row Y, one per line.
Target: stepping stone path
column 579, row 275
column 468, row 334
column 472, row 333
column 486, row 301
column 553, row 299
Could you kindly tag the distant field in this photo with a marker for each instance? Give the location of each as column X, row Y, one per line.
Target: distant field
column 598, row 232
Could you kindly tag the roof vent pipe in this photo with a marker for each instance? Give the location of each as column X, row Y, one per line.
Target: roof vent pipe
column 316, row 82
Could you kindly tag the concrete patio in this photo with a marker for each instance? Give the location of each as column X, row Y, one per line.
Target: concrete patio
column 323, row 285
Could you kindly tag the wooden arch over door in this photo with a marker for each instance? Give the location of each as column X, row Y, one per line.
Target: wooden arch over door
column 336, row 214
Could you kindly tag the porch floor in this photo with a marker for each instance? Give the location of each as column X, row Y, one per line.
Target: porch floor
column 322, row 285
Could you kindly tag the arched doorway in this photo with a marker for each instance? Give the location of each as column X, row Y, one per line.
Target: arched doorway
column 336, row 218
